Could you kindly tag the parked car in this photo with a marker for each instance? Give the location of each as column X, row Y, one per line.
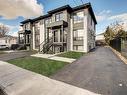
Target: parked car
column 4, row 47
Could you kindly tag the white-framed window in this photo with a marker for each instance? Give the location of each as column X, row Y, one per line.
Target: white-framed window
column 59, row 16
column 78, row 34
column 27, row 26
column 48, row 20
column 78, row 17
column 37, row 27
column 41, row 22
column 78, row 47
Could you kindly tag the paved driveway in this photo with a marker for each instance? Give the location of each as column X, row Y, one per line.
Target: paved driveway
column 13, row 55
column 101, row 72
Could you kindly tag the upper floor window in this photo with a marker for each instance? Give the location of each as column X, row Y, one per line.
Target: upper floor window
column 27, row 26
column 48, row 20
column 41, row 22
column 78, row 17
column 59, row 16
column 37, row 27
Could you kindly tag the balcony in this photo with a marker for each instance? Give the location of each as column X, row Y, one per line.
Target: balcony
column 25, row 32
column 57, row 23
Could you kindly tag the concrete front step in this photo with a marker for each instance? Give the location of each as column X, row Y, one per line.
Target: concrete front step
column 18, row 81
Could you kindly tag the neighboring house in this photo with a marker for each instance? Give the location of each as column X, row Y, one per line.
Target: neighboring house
column 7, row 41
column 100, row 39
column 62, row 29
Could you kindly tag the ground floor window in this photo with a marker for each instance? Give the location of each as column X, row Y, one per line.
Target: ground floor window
column 78, row 47
column 78, row 35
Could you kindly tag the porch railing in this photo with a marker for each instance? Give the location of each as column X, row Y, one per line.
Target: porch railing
column 45, row 45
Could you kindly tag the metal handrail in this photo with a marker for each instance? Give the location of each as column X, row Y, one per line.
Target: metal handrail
column 46, row 41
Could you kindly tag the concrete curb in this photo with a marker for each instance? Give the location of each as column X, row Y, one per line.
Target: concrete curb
column 119, row 55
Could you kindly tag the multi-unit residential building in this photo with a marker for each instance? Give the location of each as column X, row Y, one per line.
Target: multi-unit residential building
column 61, row 29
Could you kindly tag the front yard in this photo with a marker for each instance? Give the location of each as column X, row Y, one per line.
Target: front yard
column 72, row 54
column 38, row 65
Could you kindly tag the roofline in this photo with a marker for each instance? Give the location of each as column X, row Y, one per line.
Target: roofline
column 92, row 14
column 42, row 17
column 25, row 21
column 100, row 34
column 89, row 6
column 86, row 5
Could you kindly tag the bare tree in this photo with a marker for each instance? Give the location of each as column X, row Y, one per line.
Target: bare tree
column 115, row 30
column 3, row 30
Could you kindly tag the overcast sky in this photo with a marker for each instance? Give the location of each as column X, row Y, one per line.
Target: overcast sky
column 12, row 12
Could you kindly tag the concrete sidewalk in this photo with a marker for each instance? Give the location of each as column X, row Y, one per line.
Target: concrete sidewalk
column 53, row 57
column 18, row 81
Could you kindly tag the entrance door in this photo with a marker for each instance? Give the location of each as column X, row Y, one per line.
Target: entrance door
column 56, row 35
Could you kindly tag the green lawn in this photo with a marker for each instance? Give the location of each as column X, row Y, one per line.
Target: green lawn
column 72, row 54
column 39, row 65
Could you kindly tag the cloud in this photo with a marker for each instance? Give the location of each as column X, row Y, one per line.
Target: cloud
column 11, row 9
column 14, row 34
column 102, row 15
column 105, row 12
column 13, row 31
column 121, row 17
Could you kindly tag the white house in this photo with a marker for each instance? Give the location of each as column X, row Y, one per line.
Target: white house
column 7, row 41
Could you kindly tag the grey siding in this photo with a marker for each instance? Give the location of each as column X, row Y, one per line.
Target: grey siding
column 78, row 26
column 78, row 43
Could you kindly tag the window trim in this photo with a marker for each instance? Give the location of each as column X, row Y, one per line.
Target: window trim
column 49, row 19
column 77, row 36
column 78, row 18
column 77, row 47
column 59, row 18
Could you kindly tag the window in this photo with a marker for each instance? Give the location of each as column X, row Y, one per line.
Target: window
column 37, row 28
column 56, row 35
column 41, row 22
column 37, row 40
column 59, row 17
column 28, row 38
column 78, row 17
column 48, row 20
column 78, row 35
column 77, row 47
column 27, row 26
